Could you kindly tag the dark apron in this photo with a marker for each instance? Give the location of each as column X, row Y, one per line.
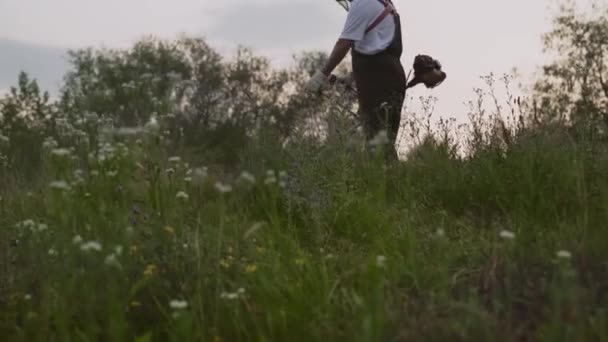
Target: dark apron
column 380, row 81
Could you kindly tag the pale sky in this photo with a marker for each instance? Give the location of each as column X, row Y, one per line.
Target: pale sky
column 470, row 37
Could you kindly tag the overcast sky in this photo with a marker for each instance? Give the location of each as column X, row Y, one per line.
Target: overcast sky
column 470, row 37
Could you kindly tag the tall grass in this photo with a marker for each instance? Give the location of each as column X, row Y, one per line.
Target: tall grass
column 117, row 240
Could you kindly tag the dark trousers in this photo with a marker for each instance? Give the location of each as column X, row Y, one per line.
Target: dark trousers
column 380, row 81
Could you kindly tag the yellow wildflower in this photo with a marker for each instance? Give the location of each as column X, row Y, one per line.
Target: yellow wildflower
column 151, row 269
column 169, row 230
column 251, row 268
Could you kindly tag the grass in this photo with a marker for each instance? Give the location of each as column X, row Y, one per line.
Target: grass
column 507, row 243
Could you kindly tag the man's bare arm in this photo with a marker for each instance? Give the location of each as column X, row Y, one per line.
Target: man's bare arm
column 337, row 55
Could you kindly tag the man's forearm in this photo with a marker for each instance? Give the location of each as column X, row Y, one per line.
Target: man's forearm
column 337, row 55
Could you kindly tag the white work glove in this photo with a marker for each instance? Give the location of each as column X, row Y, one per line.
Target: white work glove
column 316, row 82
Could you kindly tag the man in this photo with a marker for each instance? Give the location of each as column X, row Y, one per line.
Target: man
column 373, row 33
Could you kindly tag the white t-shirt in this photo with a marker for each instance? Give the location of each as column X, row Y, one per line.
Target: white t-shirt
column 361, row 15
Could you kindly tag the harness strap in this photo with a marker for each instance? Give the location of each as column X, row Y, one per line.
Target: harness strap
column 388, row 9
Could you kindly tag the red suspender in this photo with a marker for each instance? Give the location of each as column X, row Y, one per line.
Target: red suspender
column 388, row 9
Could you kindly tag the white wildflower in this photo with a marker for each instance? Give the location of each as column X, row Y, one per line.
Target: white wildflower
column 223, row 188
column 270, row 180
column 152, row 125
column 247, row 176
column 77, row 240
column 507, row 235
column 60, row 185
column 182, row 195
column 52, row 252
column 440, row 232
column 118, row 250
column 381, row 261
column 4, row 140
column 27, row 297
column 380, row 139
column 176, row 304
column 170, row 171
column 112, row 260
column 94, row 173
column 175, row 159
column 283, row 174
column 42, row 227
column 230, row 296
column 188, row 179
column 61, row 152
column 112, row 173
column 91, row 246
column 564, row 254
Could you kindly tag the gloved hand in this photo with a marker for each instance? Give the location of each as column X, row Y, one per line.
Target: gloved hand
column 317, row 81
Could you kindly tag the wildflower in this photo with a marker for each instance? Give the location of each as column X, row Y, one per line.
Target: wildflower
column 270, row 180
column 112, row 260
column 282, row 184
column 60, row 185
column 283, row 174
column 112, row 174
column 564, row 254
column 182, row 196
column 381, row 261
column 507, row 235
column 199, row 174
column 226, row 263
column 152, row 125
column 178, row 304
column 77, row 239
column 169, row 230
column 118, row 250
column 230, row 296
column 440, row 232
column 251, row 268
column 135, row 304
column 380, row 139
column 42, row 227
column 4, row 140
column 61, row 152
column 170, row 171
column 151, row 269
column 187, row 179
column 246, row 176
column 241, row 291
column 94, row 173
column 300, row 261
column 27, row 297
column 175, row 159
column 223, row 188
column 52, row 252
column 91, row 246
